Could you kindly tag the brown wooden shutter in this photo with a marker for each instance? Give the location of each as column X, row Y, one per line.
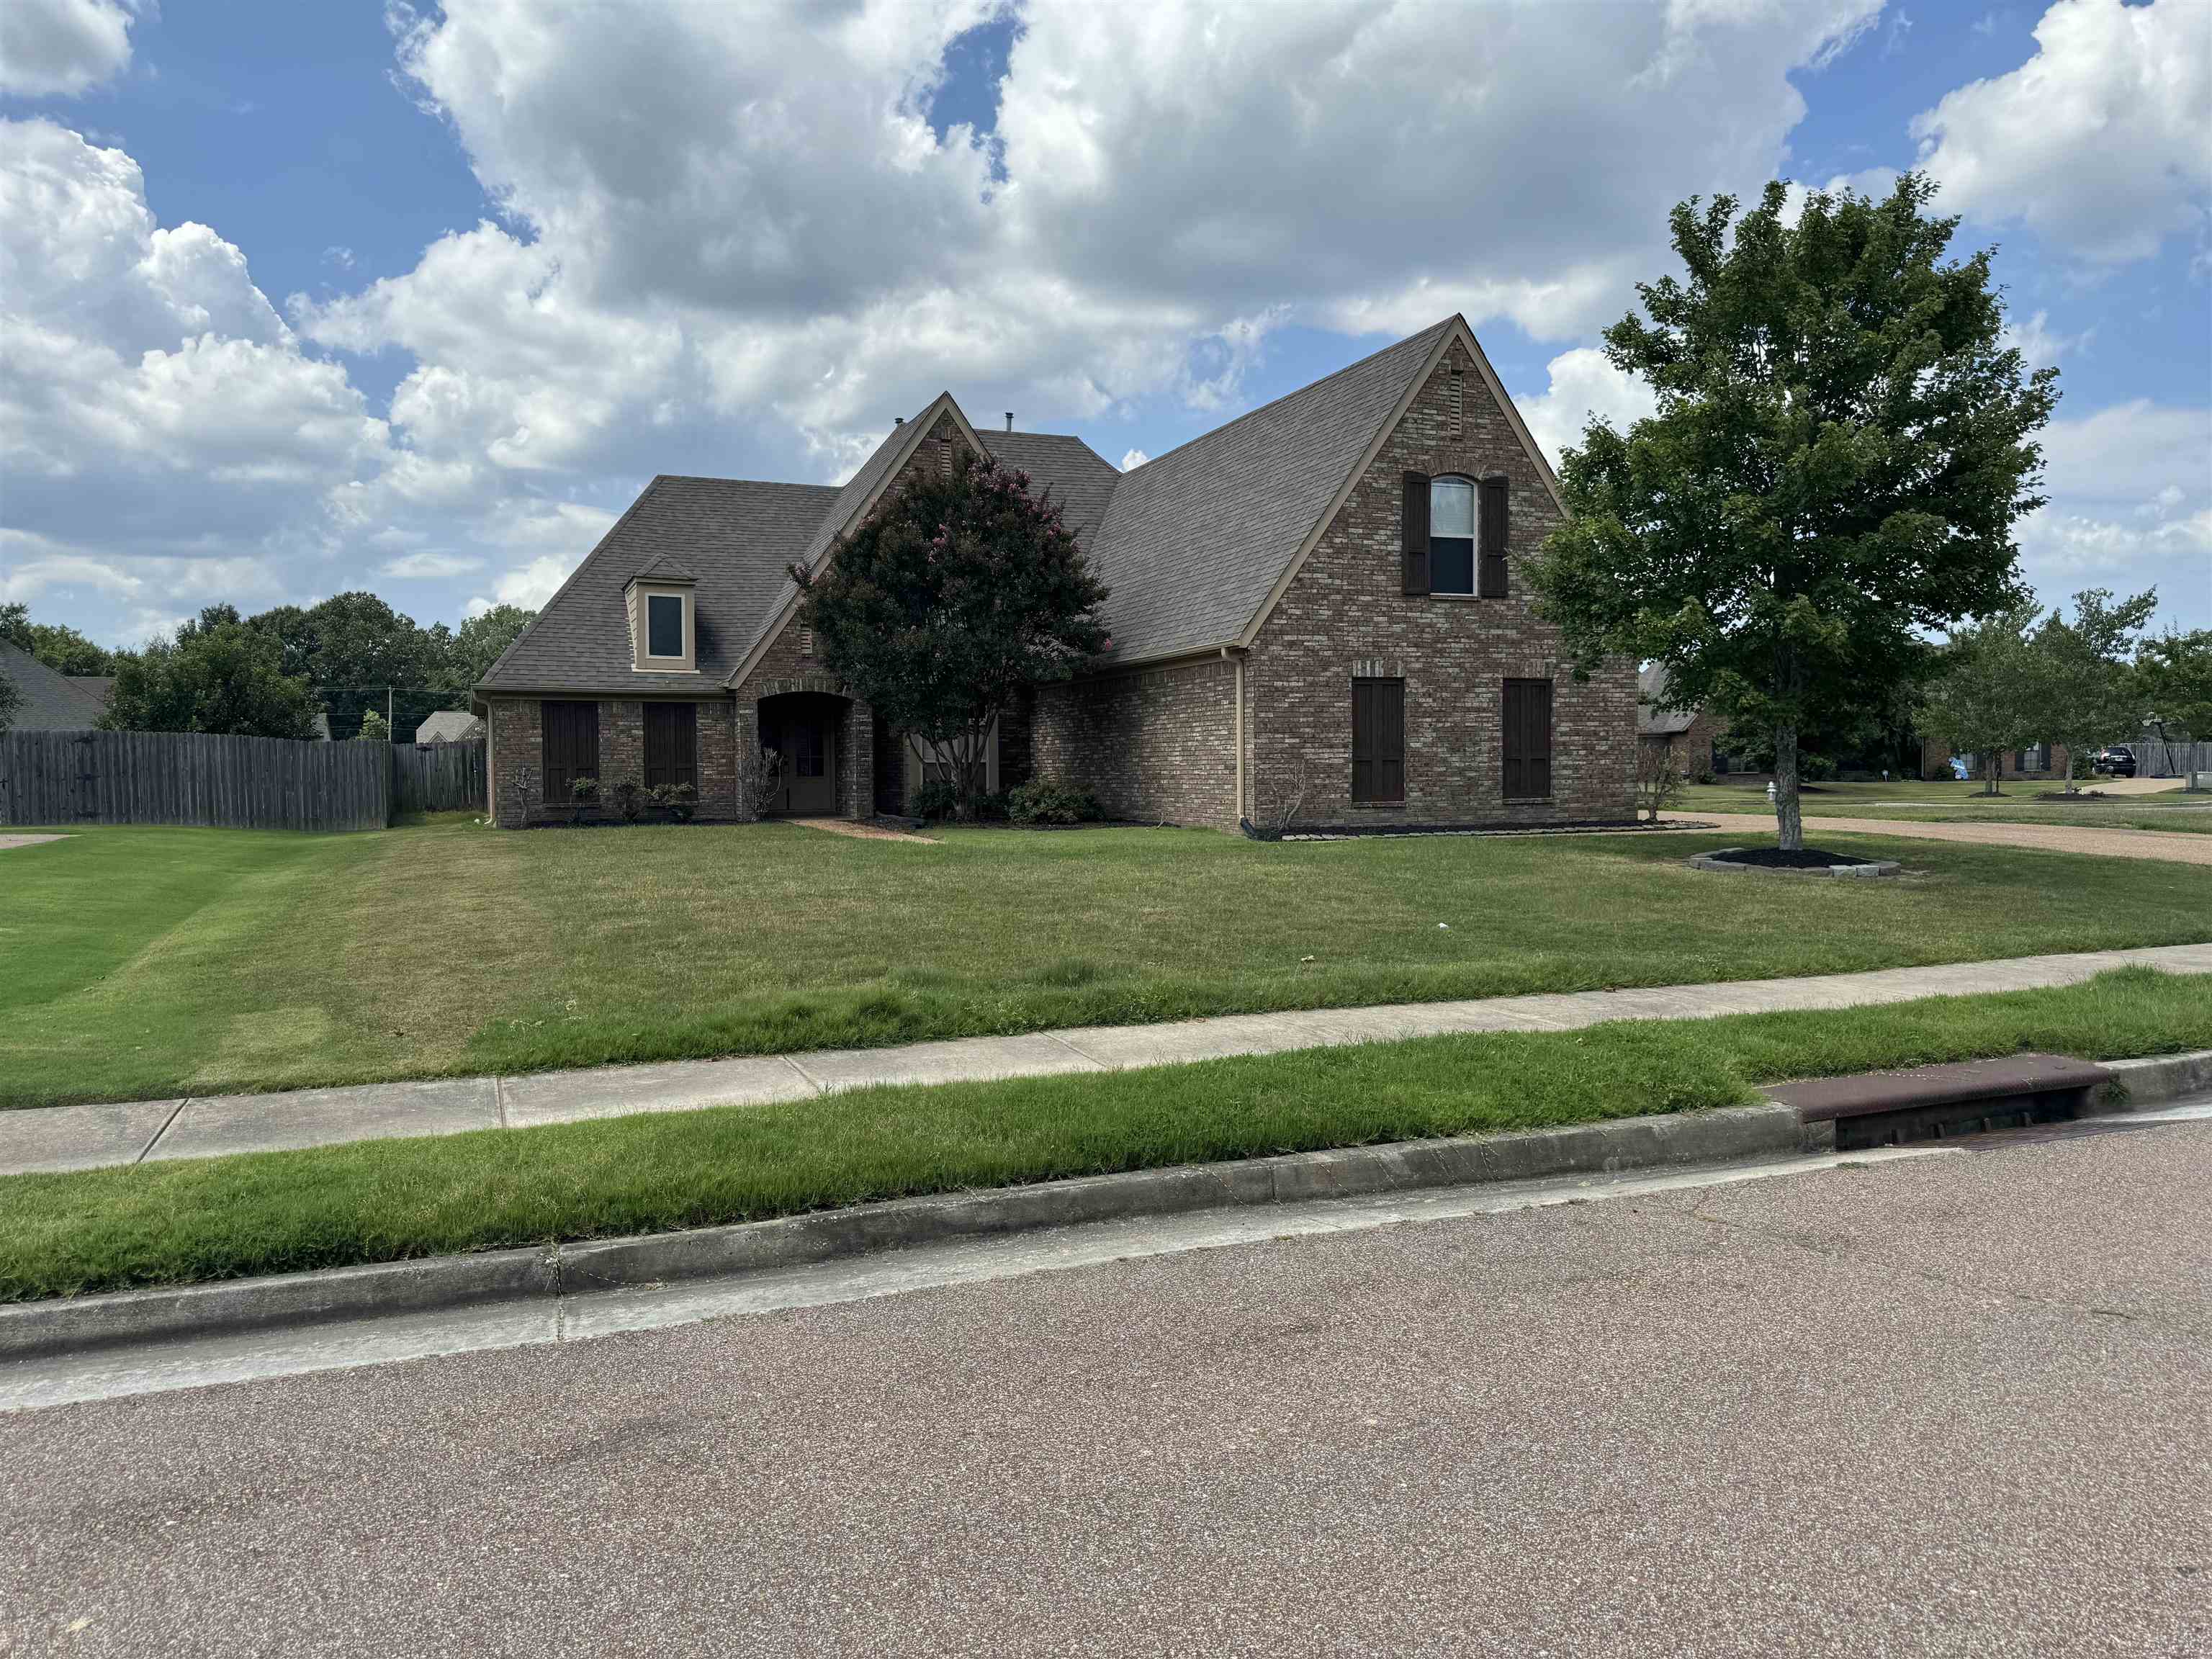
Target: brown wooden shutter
column 1527, row 739
column 1491, row 579
column 570, row 744
column 672, row 744
column 1415, row 533
column 1378, row 740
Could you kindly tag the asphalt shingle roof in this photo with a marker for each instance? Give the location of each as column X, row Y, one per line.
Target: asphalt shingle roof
column 1190, row 544
column 736, row 534
column 1651, row 721
column 52, row 701
column 1192, row 541
column 1077, row 476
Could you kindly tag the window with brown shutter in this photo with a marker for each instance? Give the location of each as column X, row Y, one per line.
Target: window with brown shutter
column 1413, row 529
column 1527, row 737
column 569, row 735
column 1492, row 539
column 1378, row 740
column 672, row 744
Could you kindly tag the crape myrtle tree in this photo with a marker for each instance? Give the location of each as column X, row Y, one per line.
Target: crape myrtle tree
column 1842, row 448
column 955, row 595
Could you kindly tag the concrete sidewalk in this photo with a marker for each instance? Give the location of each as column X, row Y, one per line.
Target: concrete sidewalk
column 90, row 1137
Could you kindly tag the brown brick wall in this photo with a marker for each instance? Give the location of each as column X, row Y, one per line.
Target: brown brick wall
column 1345, row 612
column 1155, row 746
column 518, row 758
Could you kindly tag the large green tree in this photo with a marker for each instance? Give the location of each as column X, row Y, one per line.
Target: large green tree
column 2088, row 691
column 954, row 596
column 57, row 644
column 1842, row 448
column 358, row 654
column 468, row 652
column 219, row 675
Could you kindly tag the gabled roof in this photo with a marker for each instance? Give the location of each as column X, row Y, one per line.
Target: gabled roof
column 52, row 701
column 739, row 534
column 1075, row 476
column 1194, row 541
column 857, row 492
column 449, row 726
column 1652, row 719
column 662, row 569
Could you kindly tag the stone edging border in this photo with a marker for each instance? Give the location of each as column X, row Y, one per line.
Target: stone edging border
column 79, row 1324
column 1875, row 870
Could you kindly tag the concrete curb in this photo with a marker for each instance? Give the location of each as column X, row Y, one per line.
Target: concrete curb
column 78, row 1324
column 2140, row 1082
column 81, row 1324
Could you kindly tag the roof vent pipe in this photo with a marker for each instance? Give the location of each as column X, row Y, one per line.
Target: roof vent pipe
column 1010, row 420
column 898, row 420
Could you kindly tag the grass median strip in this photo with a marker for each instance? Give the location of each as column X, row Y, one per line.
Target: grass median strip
column 390, row 1200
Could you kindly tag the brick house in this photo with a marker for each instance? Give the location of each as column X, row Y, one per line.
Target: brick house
column 1321, row 597
column 1694, row 736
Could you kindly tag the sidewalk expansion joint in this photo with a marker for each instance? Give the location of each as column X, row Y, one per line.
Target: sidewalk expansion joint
column 805, row 1076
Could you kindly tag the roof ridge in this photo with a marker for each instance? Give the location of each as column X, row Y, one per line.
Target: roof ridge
column 1295, row 391
column 713, row 478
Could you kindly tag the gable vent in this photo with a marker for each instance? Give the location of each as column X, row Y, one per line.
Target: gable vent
column 805, row 641
column 1458, row 404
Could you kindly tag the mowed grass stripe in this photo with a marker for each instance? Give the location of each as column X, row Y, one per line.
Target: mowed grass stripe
column 388, row 1200
column 445, row 949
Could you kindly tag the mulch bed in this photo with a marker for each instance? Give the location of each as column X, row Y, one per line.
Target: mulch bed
column 1774, row 858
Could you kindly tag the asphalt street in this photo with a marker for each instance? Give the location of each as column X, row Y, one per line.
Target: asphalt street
column 1958, row 1404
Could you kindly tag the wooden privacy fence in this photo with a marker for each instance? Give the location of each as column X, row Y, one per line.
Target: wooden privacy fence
column 189, row 777
column 439, row 777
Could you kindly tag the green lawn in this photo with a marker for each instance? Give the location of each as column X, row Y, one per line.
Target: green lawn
column 1915, row 800
column 393, row 1199
column 140, row 961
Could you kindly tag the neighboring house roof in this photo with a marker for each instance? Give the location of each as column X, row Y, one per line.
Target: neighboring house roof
column 449, row 726
column 1194, row 540
column 1653, row 720
column 52, row 701
column 1191, row 545
column 737, row 534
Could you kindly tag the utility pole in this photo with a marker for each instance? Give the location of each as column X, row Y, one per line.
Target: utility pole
column 387, row 713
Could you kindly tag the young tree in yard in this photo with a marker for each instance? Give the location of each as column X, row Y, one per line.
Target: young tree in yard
column 2175, row 670
column 1841, row 450
column 373, row 727
column 950, row 599
column 219, row 675
column 2088, row 688
column 1988, row 693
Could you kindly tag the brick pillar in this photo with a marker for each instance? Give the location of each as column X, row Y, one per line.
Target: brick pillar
column 856, row 761
column 748, row 743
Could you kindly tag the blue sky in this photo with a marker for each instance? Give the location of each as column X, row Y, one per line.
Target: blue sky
column 303, row 298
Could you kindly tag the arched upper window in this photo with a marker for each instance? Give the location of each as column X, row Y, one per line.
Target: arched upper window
column 1451, row 536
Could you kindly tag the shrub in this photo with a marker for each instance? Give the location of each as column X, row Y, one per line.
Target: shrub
column 936, row 797
column 630, row 800
column 679, row 800
column 1049, row 800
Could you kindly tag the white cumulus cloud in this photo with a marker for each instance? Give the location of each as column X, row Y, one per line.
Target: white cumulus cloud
column 62, row 46
column 2102, row 141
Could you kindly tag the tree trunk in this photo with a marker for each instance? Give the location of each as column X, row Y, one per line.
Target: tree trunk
column 1789, row 820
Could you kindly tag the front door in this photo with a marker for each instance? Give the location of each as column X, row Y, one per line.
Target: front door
column 809, row 765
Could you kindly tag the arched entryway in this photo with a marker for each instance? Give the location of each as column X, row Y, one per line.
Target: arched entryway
column 805, row 729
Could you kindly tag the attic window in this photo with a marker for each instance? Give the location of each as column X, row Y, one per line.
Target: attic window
column 664, row 625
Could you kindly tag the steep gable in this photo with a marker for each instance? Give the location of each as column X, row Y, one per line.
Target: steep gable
column 736, row 536
column 52, row 701
column 1193, row 542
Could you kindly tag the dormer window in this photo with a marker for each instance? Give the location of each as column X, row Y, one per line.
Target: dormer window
column 664, row 626
column 664, row 629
